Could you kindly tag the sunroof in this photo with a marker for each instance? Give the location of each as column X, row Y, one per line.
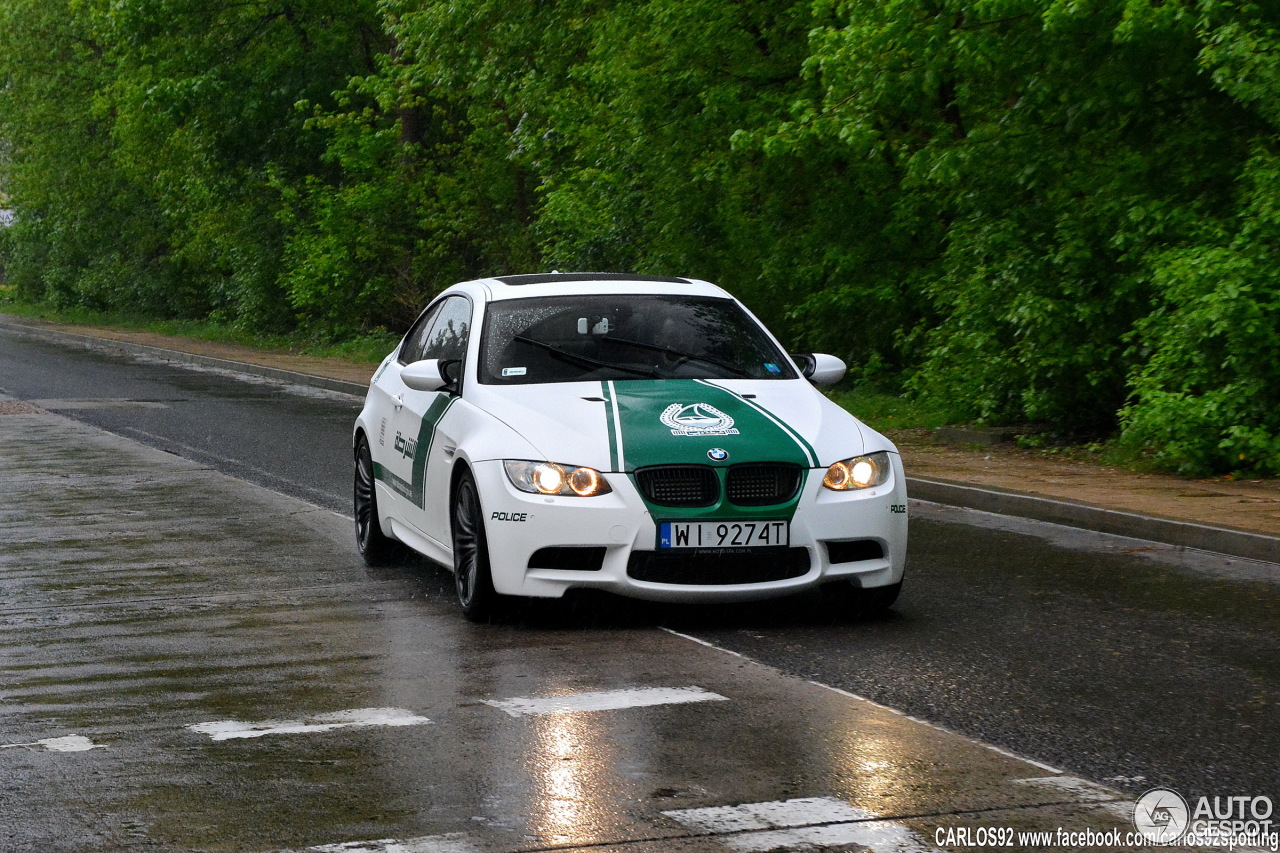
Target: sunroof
column 550, row 277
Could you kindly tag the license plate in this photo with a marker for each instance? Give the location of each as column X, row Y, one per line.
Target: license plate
column 724, row 534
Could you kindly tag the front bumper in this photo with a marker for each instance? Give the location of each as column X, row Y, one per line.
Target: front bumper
column 542, row 546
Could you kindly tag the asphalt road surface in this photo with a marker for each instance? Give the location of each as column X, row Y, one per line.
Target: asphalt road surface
column 1108, row 659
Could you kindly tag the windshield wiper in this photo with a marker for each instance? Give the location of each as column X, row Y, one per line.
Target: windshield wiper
column 681, row 354
column 587, row 361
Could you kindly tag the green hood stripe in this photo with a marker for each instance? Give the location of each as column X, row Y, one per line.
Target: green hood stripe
column 678, row 421
column 614, row 425
column 795, row 436
column 688, row 422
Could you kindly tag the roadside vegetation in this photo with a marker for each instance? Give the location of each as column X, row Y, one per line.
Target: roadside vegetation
column 368, row 347
column 1009, row 211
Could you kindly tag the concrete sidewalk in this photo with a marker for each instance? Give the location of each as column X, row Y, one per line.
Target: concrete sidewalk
column 1239, row 518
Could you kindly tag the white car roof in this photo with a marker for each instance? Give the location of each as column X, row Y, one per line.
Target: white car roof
column 586, row 284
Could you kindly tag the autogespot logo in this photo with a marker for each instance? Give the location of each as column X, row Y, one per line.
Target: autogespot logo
column 1161, row 816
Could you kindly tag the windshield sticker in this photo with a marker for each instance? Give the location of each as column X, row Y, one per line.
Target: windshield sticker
column 514, row 371
column 772, row 368
column 697, row 419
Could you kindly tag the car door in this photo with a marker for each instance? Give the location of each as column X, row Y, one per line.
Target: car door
column 422, row 441
column 392, row 452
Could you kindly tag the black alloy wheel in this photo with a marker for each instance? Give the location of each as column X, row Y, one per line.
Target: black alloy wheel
column 376, row 547
column 471, row 572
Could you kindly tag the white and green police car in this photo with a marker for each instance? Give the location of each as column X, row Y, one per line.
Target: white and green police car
column 644, row 436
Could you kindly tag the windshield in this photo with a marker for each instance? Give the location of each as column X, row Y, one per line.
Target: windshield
column 585, row 338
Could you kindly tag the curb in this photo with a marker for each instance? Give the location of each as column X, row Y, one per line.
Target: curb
column 111, row 345
column 1183, row 534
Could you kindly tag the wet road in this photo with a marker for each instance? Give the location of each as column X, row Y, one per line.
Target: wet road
column 288, row 438
column 1132, row 669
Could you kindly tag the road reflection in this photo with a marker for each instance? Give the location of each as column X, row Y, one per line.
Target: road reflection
column 568, row 769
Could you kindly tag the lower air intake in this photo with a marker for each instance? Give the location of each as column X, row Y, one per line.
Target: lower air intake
column 718, row 568
column 569, row 558
column 854, row 552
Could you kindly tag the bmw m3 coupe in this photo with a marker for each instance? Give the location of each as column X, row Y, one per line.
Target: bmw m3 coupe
column 640, row 435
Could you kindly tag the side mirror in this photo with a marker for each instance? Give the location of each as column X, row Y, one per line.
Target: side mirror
column 820, row 369
column 424, row 375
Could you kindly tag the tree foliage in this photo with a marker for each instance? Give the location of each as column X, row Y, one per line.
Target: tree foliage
column 1047, row 210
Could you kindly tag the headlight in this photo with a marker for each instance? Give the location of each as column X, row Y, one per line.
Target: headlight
column 550, row 478
column 860, row 472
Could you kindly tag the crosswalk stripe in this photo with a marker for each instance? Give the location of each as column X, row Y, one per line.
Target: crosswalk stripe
column 355, row 718
column 1107, row 799
column 607, row 700
column 454, row 842
column 70, row 743
column 800, row 823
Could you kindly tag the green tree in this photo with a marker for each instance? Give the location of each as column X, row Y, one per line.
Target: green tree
column 1047, row 148
column 1206, row 397
column 204, row 99
column 84, row 233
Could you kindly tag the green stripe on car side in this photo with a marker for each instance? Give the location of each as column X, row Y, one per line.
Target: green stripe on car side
column 398, row 484
column 414, row 490
column 426, row 436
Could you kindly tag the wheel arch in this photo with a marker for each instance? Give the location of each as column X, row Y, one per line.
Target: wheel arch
column 461, row 468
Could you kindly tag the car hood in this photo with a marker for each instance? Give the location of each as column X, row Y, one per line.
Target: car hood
column 624, row 425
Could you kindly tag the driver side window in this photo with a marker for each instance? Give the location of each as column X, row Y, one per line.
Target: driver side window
column 449, row 331
column 411, row 351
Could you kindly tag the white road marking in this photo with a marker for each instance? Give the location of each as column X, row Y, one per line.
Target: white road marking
column 872, row 702
column 1007, row 754
column 608, row 700
column 801, row 823
column 356, row 718
column 70, row 743
column 1108, row 799
column 876, row 836
column 771, row 815
column 454, row 842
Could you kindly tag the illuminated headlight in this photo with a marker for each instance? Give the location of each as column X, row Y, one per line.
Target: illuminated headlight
column 860, row 472
column 549, row 478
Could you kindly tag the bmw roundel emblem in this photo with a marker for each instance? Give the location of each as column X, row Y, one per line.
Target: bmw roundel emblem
column 717, row 454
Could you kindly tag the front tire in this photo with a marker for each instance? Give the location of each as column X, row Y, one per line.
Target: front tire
column 471, row 571
column 851, row 600
column 881, row 598
column 376, row 548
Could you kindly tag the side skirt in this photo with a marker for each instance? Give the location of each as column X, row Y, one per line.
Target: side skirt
column 422, row 543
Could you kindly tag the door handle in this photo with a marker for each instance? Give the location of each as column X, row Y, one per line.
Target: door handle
column 399, row 401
